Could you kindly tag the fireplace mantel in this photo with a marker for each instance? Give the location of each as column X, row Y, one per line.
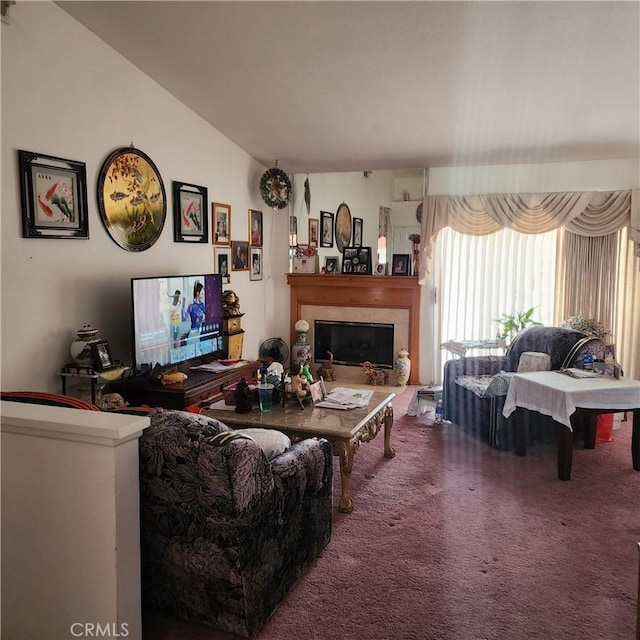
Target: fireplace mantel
column 372, row 292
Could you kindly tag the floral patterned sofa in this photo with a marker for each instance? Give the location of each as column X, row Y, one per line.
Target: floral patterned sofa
column 475, row 388
column 226, row 531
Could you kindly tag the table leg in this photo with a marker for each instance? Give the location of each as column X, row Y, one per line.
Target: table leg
column 565, row 452
column 590, row 427
column 345, row 452
column 521, row 431
column 389, row 451
column 635, row 440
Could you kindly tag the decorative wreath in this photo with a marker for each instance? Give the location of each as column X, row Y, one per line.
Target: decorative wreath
column 275, row 188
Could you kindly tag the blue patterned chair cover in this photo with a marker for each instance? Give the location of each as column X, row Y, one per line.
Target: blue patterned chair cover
column 225, row 532
column 481, row 414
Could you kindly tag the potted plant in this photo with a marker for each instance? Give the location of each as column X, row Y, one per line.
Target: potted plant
column 512, row 324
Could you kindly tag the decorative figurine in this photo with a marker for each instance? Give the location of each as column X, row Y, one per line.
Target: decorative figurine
column 325, row 370
column 298, row 381
column 230, row 304
column 375, row 375
column 306, row 373
column 243, row 397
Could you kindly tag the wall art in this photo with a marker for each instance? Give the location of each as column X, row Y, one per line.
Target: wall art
column 256, row 234
column 190, row 213
column 314, row 224
column 221, row 223
column 239, row 255
column 54, row 196
column 326, row 229
column 222, row 263
column 131, row 199
column 343, row 227
column 357, row 232
column 255, row 257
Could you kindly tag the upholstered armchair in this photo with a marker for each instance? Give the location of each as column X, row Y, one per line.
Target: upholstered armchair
column 227, row 526
column 475, row 388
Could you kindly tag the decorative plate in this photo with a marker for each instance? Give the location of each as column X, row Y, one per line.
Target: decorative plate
column 131, row 199
column 419, row 213
column 275, row 188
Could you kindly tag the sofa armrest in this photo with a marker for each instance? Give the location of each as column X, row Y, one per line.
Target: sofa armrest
column 473, row 366
column 307, row 467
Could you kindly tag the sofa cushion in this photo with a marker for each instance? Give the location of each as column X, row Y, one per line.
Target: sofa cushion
column 272, row 442
column 534, row 361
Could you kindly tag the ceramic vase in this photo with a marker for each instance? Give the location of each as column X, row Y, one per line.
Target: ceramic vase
column 81, row 347
column 301, row 350
column 402, row 368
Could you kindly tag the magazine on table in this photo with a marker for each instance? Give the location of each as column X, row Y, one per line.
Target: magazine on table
column 343, row 398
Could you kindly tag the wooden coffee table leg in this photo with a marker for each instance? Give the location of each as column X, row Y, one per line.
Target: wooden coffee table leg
column 565, row 452
column 389, row 451
column 345, row 451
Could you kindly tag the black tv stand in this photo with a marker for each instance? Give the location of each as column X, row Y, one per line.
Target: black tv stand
column 201, row 387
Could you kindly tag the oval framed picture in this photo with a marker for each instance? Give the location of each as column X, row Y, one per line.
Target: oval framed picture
column 132, row 199
column 343, row 227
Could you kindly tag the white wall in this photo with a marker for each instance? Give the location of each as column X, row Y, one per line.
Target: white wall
column 65, row 93
column 328, row 190
column 597, row 175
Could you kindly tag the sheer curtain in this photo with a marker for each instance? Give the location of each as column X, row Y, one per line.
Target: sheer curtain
column 482, row 277
column 626, row 323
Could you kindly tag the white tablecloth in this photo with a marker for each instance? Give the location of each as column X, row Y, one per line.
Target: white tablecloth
column 558, row 395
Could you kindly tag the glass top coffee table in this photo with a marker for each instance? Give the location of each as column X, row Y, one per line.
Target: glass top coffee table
column 344, row 429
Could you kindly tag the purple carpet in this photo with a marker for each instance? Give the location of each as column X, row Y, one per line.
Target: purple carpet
column 452, row 540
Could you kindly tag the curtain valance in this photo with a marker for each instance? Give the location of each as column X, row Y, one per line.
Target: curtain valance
column 585, row 213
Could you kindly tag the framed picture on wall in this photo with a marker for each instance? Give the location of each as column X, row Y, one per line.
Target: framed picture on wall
column 221, row 222
column 255, row 256
column 343, row 226
column 239, row 256
column 222, row 263
column 190, row 213
column 400, row 264
column 313, row 232
column 54, row 197
column 131, row 199
column 326, row 229
column 255, row 228
column 357, row 232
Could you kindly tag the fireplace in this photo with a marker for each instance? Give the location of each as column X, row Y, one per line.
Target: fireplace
column 368, row 299
column 353, row 343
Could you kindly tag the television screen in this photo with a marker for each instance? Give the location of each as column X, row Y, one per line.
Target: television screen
column 176, row 319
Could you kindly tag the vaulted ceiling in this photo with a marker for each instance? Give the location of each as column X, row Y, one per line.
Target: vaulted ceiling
column 342, row 86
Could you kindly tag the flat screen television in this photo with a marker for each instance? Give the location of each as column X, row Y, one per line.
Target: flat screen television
column 176, row 319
